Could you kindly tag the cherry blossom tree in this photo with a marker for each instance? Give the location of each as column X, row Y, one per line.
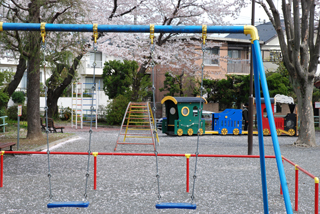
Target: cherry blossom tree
column 179, row 51
column 171, row 49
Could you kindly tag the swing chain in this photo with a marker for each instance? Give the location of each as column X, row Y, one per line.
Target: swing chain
column 154, row 106
column 95, row 48
column 203, row 48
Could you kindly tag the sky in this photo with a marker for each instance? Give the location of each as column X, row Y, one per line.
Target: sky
column 244, row 17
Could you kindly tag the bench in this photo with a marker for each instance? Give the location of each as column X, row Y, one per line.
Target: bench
column 43, row 126
column 3, row 123
column 52, row 127
column 4, row 145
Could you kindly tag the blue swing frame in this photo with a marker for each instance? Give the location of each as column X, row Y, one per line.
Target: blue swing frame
column 258, row 74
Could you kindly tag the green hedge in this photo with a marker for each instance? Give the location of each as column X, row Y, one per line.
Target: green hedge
column 12, row 113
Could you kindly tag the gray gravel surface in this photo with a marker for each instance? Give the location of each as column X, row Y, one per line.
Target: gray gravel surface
column 127, row 184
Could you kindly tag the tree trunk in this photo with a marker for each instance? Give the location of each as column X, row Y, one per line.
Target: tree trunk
column 33, row 91
column 304, row 90
column 21, row 67
column 55, row 92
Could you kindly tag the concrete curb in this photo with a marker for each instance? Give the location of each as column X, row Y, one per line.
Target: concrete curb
column 54, row 143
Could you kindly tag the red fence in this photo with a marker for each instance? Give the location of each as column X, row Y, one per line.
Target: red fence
column 95, row 154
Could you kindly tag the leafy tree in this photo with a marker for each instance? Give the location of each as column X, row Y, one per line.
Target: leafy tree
column 119, row 77
column 27, row 44
column 173, row 84
column 300, row 47
column 192, row 85
column 116, row 109
column 277, row 84
column 234, row 89
column 18, row 97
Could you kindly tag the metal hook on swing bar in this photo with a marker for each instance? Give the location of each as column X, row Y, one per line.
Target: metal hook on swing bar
column 43, row 31
column 151, row 32
column 204, row 33
column 95, row 32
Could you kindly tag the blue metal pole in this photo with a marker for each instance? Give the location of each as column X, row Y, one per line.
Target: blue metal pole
column 260, row 134
column 122, row 28
column 274, row 136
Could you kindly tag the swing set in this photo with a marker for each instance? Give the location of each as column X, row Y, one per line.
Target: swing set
column 259, row 78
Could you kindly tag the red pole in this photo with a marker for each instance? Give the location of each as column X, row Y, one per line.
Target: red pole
column 296, row 188
column 316, row 197
column 187, row 181
column 95, row 170
column 1, row 172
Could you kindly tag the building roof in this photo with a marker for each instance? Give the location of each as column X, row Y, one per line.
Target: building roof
column 266, row 32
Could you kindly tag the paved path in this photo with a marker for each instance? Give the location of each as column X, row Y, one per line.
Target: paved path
column 127, row 184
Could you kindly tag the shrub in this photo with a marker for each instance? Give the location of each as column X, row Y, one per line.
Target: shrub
column 66, row 113
column 116, row 110
column 13, row 113
column 3, row 111
column 18, row 97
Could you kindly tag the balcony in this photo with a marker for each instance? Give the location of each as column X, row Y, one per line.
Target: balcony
column 241, row 66
column 98, row 64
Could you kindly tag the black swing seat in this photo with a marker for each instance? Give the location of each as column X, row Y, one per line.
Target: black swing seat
column 176, row 206
column 80, row 204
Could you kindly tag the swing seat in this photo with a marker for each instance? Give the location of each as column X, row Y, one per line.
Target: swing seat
column 176, row 206
column 79, row 204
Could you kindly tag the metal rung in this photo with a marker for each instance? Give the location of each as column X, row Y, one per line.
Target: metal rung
column 138, row 107
column 137, row 134
column 137, row 137
column 136, row 143
column 132, row 118
column 135, row 126
column 137, row 111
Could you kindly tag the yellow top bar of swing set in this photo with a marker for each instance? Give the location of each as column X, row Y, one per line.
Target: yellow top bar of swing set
column 252, row 30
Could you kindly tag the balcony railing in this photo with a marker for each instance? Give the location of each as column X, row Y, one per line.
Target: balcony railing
column 239, row 66
column 98, row 64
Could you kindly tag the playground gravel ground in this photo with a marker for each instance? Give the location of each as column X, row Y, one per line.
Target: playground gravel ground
column 127, row 184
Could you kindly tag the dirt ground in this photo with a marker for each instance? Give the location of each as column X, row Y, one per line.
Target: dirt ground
column 11, row 135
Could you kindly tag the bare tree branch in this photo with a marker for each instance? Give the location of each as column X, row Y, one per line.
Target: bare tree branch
column 311, row 28
column 59, row 13
column 304, row 48
column 19, row 6
column 124, row 13
column 286, row 8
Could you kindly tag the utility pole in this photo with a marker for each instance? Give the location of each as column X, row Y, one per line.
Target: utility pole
column 250, row 110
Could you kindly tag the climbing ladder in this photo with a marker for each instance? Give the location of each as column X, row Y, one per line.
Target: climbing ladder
column 138, row 122
column 81, row 103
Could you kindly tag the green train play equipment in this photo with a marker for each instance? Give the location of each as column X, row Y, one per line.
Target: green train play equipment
column 182, row 115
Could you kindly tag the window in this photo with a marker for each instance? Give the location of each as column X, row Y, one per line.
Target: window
column 234, row 54
column 24, row 81
column 211, row 56
column 185, row 111
column 98, row 60
column 89, row 81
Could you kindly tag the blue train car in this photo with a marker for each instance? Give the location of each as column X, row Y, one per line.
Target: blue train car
column 227, row 122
